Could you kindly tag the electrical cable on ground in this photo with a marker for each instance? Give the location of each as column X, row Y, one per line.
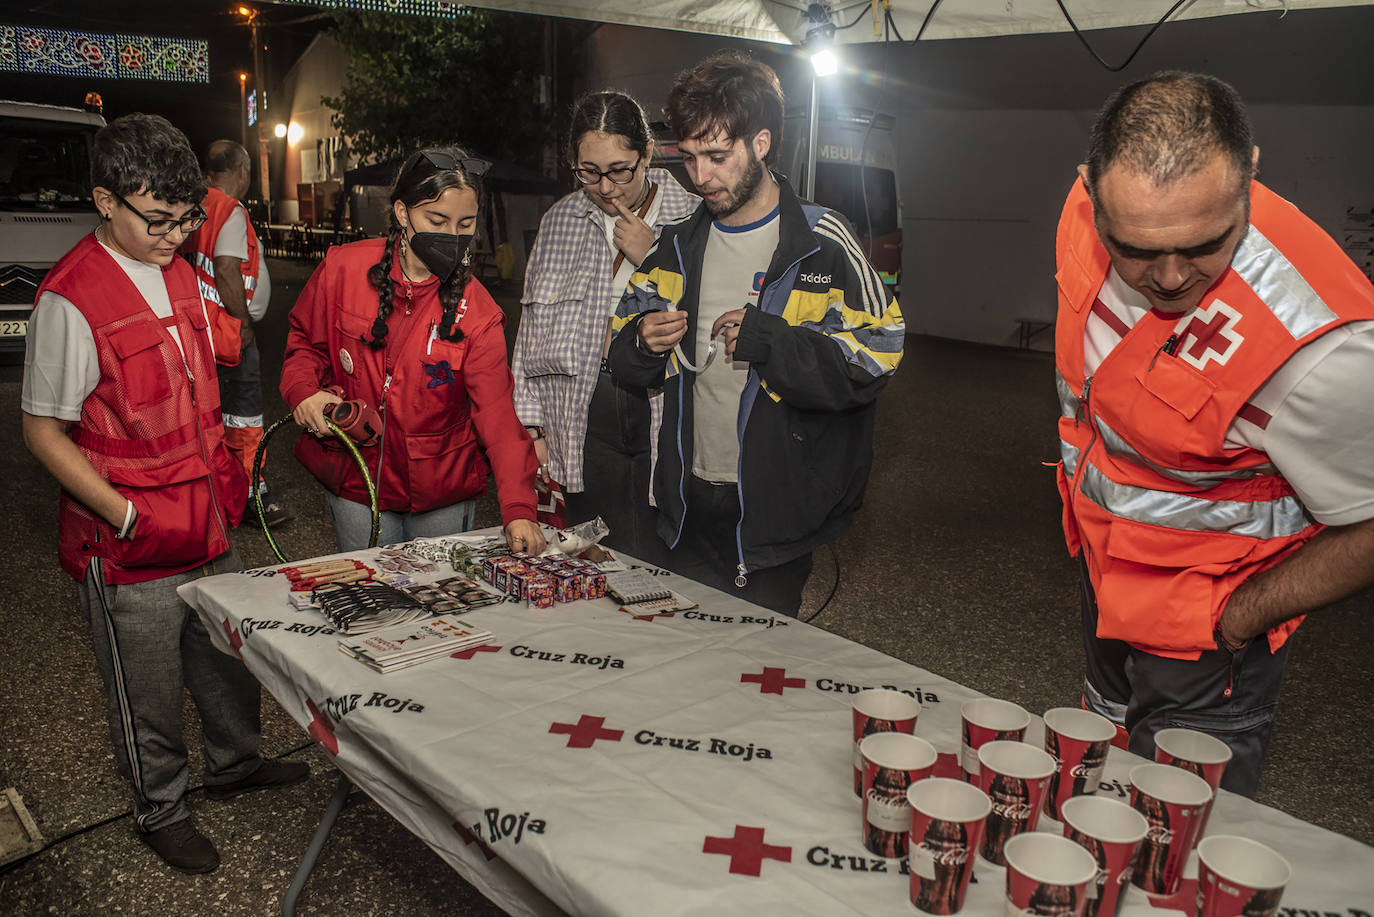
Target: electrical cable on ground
column 87, row 829
column 833, row 589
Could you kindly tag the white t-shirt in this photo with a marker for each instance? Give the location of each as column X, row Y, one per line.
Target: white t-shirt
column 1314, row 416
column 232, row 242
column 736, row 261
column 61, row 367
column 622, row 276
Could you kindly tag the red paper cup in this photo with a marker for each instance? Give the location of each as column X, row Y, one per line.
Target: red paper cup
column 986, row 719
column 1047, row 874
column 947, row 818
column 880, row 710
column 1237, row 876
column 1078, row 741
column 1173, row 801
column 1015, row 777
column 1197, row 753
column 1111, row 832
column 893, row 761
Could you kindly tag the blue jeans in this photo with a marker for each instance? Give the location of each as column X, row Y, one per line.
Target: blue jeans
column 1230, row 695
column 151, row 647
column 353, row 523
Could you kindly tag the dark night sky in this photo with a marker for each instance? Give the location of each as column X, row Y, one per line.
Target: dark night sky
column 205, row 111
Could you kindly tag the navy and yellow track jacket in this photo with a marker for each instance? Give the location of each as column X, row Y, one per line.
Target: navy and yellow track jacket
column 822, row 342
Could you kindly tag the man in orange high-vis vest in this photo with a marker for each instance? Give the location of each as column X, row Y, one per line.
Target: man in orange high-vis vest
column 1215, row 357
column 233, row 275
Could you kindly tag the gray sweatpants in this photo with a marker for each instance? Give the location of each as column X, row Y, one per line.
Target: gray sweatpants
column 151, row 647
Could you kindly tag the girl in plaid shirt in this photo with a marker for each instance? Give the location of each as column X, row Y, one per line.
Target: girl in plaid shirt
column 591, row 434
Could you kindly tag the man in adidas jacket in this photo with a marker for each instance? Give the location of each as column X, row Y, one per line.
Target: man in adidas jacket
column 771, row 337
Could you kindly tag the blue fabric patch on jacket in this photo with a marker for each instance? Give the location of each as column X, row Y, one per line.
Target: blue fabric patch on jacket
column 440, row 373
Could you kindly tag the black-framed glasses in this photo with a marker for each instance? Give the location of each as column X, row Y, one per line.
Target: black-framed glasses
column 470, row 166
column 621, row 176
column 189, row 222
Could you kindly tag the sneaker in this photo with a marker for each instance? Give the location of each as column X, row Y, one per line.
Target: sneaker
column 182, row 847
column 270, row 775
column 272, row 512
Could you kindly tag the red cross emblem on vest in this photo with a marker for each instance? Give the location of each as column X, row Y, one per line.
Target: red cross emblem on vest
column 1210, row 335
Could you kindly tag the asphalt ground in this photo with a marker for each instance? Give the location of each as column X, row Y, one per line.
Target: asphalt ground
column 955, row 564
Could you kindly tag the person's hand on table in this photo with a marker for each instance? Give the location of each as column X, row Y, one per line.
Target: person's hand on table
column 660, row 331
column 310, row 412
column 524, row 535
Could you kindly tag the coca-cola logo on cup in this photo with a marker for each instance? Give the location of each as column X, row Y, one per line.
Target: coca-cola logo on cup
column 949, row 856
column 1012, row 811
column 1159, row 834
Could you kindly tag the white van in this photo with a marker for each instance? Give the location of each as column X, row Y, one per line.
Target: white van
column 45, row 202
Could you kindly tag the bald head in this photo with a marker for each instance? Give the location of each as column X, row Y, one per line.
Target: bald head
column 228, row 168
column 1169, row 127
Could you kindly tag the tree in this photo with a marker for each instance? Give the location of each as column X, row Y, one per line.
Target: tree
column 414, row 81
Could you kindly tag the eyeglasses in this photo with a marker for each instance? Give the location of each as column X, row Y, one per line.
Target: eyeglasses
column 189, row 222
column 617, row 176
column 441, row 160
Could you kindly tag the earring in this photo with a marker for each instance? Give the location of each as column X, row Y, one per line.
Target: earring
column 403, row 245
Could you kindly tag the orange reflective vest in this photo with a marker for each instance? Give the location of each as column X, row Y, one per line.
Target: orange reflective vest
column 150, row 429
column 199, row 247
column 1171, row 520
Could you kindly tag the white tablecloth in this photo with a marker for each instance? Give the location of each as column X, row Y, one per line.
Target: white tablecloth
column 595, row 763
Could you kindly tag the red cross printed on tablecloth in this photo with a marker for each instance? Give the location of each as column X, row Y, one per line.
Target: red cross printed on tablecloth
column 234, row 639
column 470, row 838
column 773, row 681
column 1211, row 335
column 587, row 731
column 473, row 651
column 746, row 850
column 321, row 729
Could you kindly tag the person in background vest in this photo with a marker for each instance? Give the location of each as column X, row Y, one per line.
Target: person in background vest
column 233, row 274
column 118, row 407
column 1215, row 355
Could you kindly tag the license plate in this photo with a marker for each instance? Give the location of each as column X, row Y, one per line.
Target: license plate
column 14, row 328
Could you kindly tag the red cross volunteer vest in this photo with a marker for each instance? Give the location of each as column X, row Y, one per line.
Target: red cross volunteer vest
column 1171, row 520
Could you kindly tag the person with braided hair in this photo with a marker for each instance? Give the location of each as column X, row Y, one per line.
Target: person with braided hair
column 402, row 325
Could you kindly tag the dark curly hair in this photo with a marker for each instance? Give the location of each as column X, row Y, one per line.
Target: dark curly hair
column 730, row 93
column 418, row 182
column 139, row 153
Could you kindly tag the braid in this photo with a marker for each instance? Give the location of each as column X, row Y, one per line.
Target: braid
column 379, row 275
column 450, row 295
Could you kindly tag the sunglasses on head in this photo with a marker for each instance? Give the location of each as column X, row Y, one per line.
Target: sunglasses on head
column 449, row 163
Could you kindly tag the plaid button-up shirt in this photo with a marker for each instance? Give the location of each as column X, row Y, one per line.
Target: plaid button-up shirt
column 569, row 295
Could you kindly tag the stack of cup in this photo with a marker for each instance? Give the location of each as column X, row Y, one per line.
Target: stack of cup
column 880, row 710
column 1174, row 802
column 986, row 719
column 893, row 761
column 947, row 822
column 1078, row 741
column 1111, row 832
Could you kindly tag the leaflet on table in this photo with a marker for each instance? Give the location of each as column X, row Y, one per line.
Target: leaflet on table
column 674, row 601
column 408, row 644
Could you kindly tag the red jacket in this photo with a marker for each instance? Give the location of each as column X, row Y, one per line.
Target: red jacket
column 1173, row 521
column 155, row 435
column 199, row 247
column 442, row 397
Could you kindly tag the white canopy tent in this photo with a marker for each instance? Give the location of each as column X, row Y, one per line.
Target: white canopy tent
column 787, row 22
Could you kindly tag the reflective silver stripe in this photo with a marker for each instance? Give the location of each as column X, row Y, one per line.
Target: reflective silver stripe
column 1279, row 285
column 1069, row 453
column 250, row 283
column 1279, row 518
column 1097, row 703
column 1117, row 445
column 1068, row 398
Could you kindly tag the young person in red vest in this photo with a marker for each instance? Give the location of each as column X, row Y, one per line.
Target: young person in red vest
column 120, row 406
column 401, row 324
column 233, row 276
column 1215, row 357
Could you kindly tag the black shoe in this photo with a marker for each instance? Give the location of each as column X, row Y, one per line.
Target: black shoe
column 182, row 847
column 271, row 775
column 272, row 512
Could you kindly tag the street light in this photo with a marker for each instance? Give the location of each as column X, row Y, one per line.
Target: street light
column 243, row 109
column 279, row 131
column 252, row 16
column 817, row 43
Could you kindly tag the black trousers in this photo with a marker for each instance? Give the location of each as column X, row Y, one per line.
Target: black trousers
column 707, row 552
column 615, row 471
column 1230, row 695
